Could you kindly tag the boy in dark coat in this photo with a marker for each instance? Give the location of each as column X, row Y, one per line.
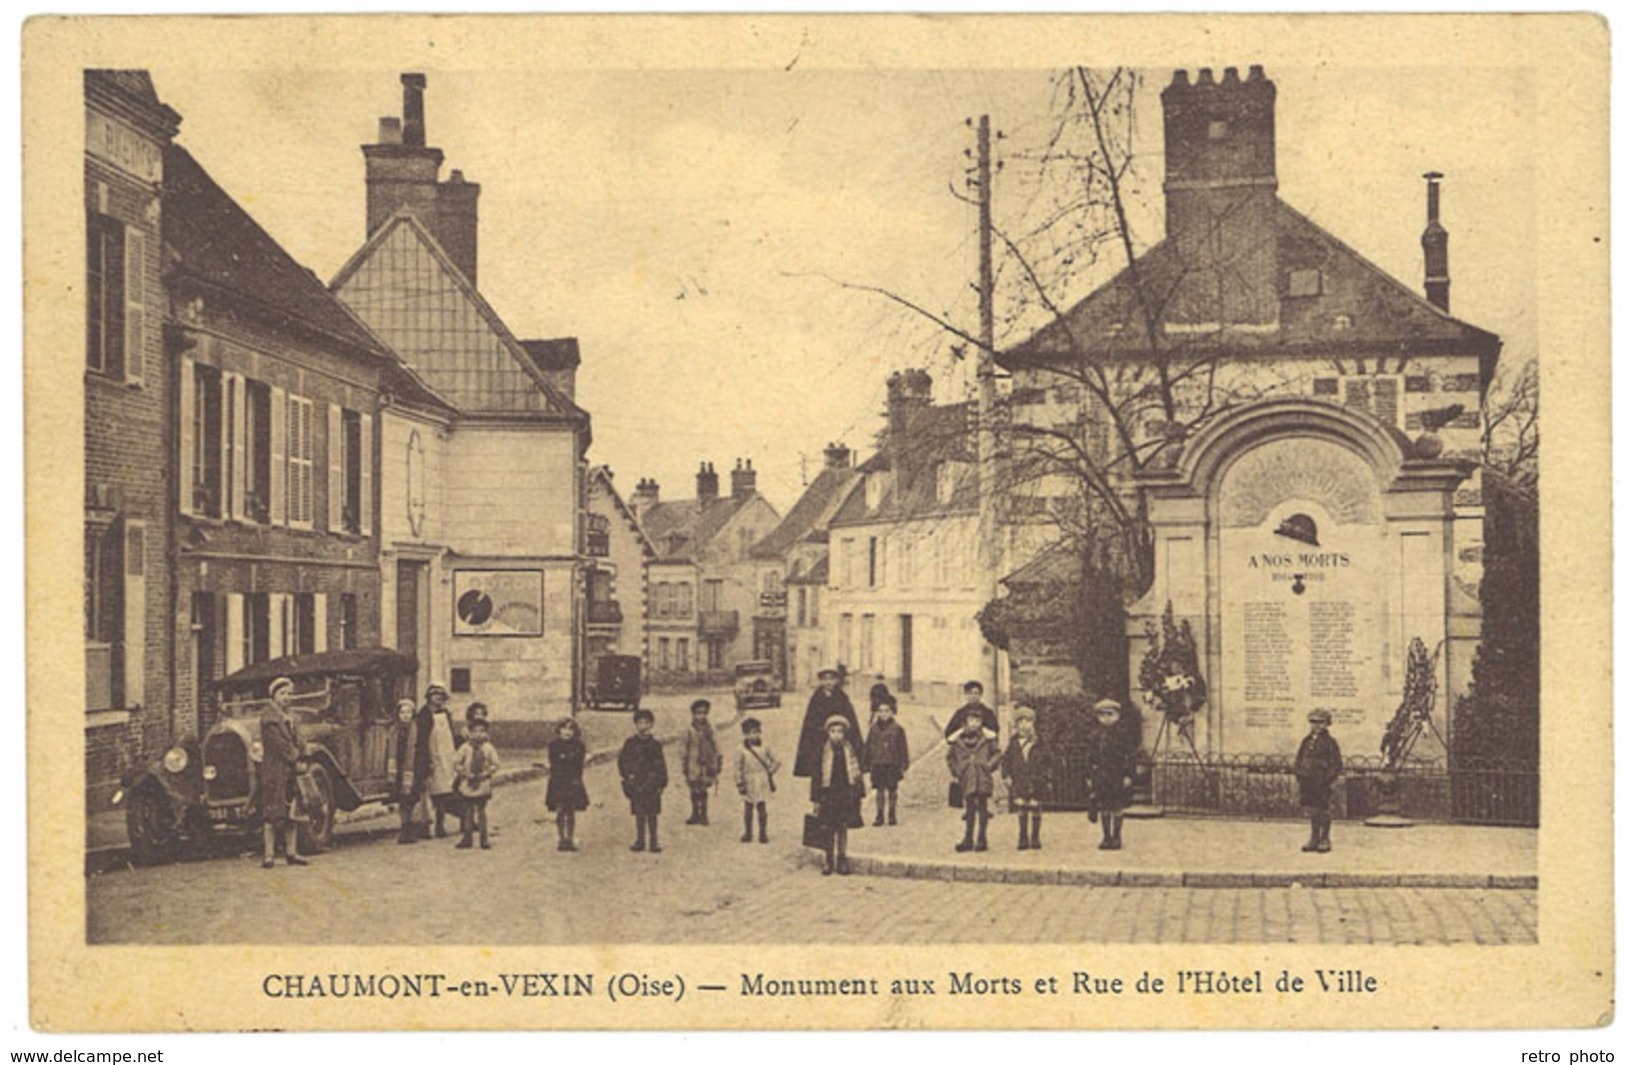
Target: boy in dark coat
column 887, row 753
column 973, row 704
column 827, row 701
column 1026, row 767
column 973, row 758
column 1318, row 765
column 643, row 777
column 837, row 793
column 1111, row 772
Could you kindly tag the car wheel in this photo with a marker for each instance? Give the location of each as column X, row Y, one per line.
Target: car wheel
column 316, row 834
column 154, row 830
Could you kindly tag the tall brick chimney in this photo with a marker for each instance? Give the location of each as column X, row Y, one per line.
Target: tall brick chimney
column 705, row 484
column 743, row 480
column 837, row 457
column 402, row 171
column 646, row 496
column 1435, row 249
column 907, row 394
column 1219, row 190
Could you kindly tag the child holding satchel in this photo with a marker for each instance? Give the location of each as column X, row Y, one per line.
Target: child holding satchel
column 753, row 773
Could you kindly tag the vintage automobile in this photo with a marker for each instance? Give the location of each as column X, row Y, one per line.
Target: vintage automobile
column 755, row 685
column 344, row 710
column 619, row 685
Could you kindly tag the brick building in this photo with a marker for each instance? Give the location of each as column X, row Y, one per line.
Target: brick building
column 129, row 690
column 276, row 450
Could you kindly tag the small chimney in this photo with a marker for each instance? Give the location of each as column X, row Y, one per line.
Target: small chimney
column 705, row 484
column 837, row 457
column 412, row 130
column 744, row 479
column 389, row 130
column 1435, row 249
column 646, row 495
column 457, row 223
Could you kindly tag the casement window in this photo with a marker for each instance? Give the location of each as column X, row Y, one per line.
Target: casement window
column 203, row 441
column 866, row 644
column 664, row 660
column 256, row 445
column 685, row 600
column 682, row 655
column 711, row 595
column 713, row 654
column 115, row 287
column 849, row 550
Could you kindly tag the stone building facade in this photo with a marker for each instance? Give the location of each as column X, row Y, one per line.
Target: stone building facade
column 1315, row 500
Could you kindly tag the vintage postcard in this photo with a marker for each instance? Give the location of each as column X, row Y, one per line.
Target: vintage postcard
column 818, row 522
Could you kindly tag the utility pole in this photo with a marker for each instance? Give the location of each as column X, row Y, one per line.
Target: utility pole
column 990, row 556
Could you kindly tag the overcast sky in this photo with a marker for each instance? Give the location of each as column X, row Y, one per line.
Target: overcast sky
column 689, row 226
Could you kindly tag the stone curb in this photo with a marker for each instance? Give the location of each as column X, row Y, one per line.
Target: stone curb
column 914, row 869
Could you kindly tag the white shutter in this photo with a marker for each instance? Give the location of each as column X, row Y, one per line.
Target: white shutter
column 135, row 613
column 234, row 632
column 335, row 467
column 320, row 613
column 237, row 390
column 188, row 445
column 365, row 458
column 135, row 309
column 279, row 458
column 279, row 621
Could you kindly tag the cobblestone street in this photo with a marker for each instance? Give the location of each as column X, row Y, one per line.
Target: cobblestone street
column 707, row 887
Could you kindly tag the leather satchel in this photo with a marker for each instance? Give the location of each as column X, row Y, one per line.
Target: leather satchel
column 956, row 795
column 813, row 832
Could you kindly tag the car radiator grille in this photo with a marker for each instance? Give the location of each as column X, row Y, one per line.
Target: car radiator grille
column 226, row 753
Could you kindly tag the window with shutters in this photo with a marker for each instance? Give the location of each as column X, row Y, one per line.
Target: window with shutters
column 301, row 463
column 685, row 600
column 104, row 617
column 208, row 449
column 104, row 255
column 257, row 451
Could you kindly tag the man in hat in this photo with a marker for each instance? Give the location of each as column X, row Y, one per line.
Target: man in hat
column 436, row 750
column 1318, row 765
column 1111, row 772
column 973, row 704
column 279, row 743
column 827, row 701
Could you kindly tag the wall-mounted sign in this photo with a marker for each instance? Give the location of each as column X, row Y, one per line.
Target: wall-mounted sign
column 111, row 140
column 496, row 602
column 770, row 601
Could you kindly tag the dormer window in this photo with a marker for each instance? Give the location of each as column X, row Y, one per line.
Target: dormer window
column 873, row 491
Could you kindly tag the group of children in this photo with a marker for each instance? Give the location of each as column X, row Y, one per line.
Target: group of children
column 975, row 762
column 435, row 774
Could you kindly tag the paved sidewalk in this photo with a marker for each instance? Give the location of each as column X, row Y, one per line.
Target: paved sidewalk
column 1179, row 851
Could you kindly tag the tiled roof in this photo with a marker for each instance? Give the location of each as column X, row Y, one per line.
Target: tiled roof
column 812, row 511
column 1358, row 307
column 935, row 434
column 219, row 245
column 682, row 528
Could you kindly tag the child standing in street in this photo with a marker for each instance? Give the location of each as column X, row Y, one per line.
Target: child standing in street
column 973, row 758
column 702, row 761
column 1111, row 772
column 566, row 793
column 1318, row 765
column 888, row 759
column 643, row 777
column 475, row 764
column 754, row 775
column 837, row 793
column 1026, row 768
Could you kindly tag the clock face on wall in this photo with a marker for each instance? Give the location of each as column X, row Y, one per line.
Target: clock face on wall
column 497, row 602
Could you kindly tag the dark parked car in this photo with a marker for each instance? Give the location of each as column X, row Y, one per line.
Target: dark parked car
column 755, row 685
column 619, row 685
column 344, row 710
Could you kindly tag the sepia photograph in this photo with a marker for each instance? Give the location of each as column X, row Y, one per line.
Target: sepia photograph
column 780, row 513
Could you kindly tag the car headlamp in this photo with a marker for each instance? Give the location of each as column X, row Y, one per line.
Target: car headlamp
column 175, row 759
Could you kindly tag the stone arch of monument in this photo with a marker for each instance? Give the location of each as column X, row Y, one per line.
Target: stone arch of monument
column 1306, row 543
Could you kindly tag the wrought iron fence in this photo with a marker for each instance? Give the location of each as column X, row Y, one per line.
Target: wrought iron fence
column 1476, row 792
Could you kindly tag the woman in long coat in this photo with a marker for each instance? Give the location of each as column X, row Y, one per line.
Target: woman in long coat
column 827, row 701
column 436, row 750
column 279, row 760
